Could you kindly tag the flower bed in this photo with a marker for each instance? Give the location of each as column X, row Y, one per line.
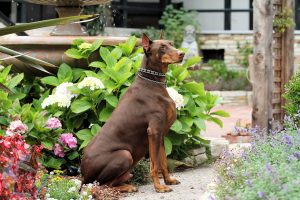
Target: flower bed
column 269, row 170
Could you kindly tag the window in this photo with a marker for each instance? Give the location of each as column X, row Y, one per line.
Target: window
column 218, row 15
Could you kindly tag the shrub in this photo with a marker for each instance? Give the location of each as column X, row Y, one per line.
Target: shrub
column 219, row 77
column 18, row 165
column 90, row 95
column 174, row 21
column 245, row 50
column 292, row 95
column 269, row 170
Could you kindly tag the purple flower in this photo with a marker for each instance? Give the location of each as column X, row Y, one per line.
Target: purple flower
column 249, row 182
column 261, row 194
column 16, row 127
column 59, row 150
column 297, row 155
column 287, row 139
column 68, row 140
column 269, row 168
column 53, row 123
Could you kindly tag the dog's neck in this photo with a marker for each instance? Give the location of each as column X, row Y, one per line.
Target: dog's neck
column 153, row 66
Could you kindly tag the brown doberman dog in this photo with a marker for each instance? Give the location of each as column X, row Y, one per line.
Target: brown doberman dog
column 137, row 126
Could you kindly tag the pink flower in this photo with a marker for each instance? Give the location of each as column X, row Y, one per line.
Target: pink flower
column 59, row 150
column 16, row 127
column 68, row 139
column 53, row 123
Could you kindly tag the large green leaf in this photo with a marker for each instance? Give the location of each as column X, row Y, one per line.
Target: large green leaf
column 64, row 73
column 44, row 23
column 105, row 113
column 15, row 81
column 221, row 113
column 176, row 126
column 112, row 100
column 168, row 146
column 129, row 45
column 107, row 57
column 84, row 134
column 192, row 61
column 50, row 80
column 79, row 106
column 194, row 88
column 73, row 53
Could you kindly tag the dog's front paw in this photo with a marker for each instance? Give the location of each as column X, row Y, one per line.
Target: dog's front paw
column 172, row 181
column 162, row 189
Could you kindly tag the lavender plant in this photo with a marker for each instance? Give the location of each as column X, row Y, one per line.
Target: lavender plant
column 269, row 170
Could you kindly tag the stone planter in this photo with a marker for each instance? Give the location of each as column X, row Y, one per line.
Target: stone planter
column 50, row 49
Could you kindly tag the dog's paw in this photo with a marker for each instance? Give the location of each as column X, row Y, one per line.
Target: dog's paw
column 163, row 189
column 126, row 188
column 172, row 181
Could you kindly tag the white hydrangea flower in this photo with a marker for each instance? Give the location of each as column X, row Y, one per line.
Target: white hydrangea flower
column 77, row 182
column 91, row 82
column 72, row 189
column 62, row 96
column 177, row 98
column 60, row 100
column 62, row 89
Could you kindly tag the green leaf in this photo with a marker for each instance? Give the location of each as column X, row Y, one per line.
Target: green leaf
column 15, row 81
column 168, row 146
column 192, row 61
column 55, row 163
column 216, row 120
column 176, row 126
column 105, row 113
column 112, row 100
column 116, row 53
column 194, row 88
column 95, row 129
column 4, row 73
column 129, row 45
column 73, row 155
column 221, row 113
column 50, row 80
column 64, row 73
column 47, row 144
column 200, row 123
column 96, row 44
column 84, row 134
column 123, row 65
column 98, row 64
column 73, row 53
column 84, row 144
column 78, row 42
column 79, row 106
column 107, row 57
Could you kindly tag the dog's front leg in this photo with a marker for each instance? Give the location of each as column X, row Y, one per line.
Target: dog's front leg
column 164, row 166
column 155, row 139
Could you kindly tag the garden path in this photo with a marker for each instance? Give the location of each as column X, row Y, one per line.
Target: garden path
column 236, row 112
column 193, row 186
column 196, row 184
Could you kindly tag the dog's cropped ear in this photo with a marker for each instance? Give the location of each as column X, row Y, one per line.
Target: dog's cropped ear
column 146, row 42
column 161, row 36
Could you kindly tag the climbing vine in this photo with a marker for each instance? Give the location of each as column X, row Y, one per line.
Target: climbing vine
column 283, row 20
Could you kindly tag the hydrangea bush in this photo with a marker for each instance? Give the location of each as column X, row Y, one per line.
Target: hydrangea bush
column 93, row 94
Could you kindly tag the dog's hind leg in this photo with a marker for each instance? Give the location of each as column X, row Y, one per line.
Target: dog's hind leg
column 117, row 171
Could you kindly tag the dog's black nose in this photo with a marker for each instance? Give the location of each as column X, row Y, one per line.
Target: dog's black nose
column 181, row 54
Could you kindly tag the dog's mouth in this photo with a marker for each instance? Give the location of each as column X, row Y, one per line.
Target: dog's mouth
column 173, row 58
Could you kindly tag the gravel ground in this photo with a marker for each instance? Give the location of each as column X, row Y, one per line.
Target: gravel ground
column 194, row 185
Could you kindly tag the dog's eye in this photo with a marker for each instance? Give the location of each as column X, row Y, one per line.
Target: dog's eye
column 162, row 47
